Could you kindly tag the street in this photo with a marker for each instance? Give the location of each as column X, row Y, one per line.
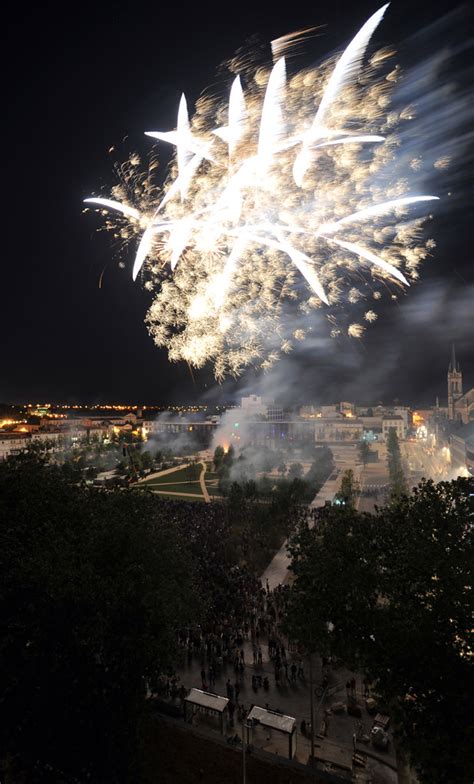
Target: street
column 421, row 461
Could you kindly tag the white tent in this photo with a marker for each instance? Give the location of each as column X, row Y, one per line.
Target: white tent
column 199, row 701
column 275, row 721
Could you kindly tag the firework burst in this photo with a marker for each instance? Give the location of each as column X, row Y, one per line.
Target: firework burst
column 280, row 202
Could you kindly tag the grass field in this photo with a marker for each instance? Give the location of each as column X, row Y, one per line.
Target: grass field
column 184, row 481
column 212, row 482
column 189, row 474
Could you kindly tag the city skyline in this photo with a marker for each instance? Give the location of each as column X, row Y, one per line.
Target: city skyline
column 229, row 394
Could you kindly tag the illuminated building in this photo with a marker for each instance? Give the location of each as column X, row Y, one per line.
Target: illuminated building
column 462, row 448
column 393, row 422
column 348, row 409
column 460, row 406
column 253, row 406
column 454, row 386
column 13, row 444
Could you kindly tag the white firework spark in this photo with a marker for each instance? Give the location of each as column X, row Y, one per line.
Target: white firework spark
column 273, row 209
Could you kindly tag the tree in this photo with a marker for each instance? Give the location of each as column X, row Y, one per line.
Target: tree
column 364, row 451
column 321, row 468
column 265, row 485
column 349, row 489
column 224, row 480
column 147, row 460
column 363, row 592
column 93, row 587
column 229, row 456
column 295, row 471
column 218, row 457
column 121, row 467
column 91, row 472
column 398, row 485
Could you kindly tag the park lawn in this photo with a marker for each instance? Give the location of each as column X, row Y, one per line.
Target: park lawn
column 189, row 474
column 181, row 487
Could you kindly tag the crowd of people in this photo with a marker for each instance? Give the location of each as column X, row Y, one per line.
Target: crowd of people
column 241, row 630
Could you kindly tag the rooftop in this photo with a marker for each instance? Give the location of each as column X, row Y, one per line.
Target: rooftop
column 277, row 721
column 466, row 432
column 207, row 700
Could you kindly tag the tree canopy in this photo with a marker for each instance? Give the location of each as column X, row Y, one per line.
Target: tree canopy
column 398, row 484
column 93, row 587
column 364, row 451
column 349, row 490
column 391, row 593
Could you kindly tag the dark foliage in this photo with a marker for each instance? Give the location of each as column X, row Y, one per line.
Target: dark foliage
column 93, row 586
column 391, row 593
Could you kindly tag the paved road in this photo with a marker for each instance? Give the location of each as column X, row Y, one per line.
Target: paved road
column 374, row 477
column 276, row 572
column 293, row 699
column 421, row 461
column 163, row 473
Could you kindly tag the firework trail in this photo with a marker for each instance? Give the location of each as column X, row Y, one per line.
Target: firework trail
column 280, row 202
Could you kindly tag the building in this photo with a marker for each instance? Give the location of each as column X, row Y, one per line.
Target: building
column 333, row 426
column 454, row 386
column 460, row 406
column 309, row 412
column 330, row 411
column 464, row 407
column 348, row 409
column 274, row 413
column 126, row 419
column 13, row 444
column 405, row 414
column 53, row 438
column 372, row 426
column 461, row 445
column 395, row 422
column 253, row 405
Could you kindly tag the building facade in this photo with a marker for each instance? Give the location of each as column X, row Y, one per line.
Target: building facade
column 454, row 386
column 395, row 422
column 462, row 448
column 13, row 443
column 460, row 405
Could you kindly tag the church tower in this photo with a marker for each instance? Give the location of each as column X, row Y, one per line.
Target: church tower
column 454, row 385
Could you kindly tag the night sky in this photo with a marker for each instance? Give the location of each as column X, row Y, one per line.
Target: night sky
column 78, row 78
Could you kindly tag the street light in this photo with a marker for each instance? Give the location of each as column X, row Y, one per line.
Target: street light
column 246, row 725
column 311, row 704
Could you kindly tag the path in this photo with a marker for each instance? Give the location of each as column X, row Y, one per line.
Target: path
column 277, row 571
column 375, row 478
column 164, row 473
column 179, row 495
column 206, row 495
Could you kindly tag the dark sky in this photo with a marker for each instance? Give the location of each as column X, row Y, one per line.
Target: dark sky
column 78, row 78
